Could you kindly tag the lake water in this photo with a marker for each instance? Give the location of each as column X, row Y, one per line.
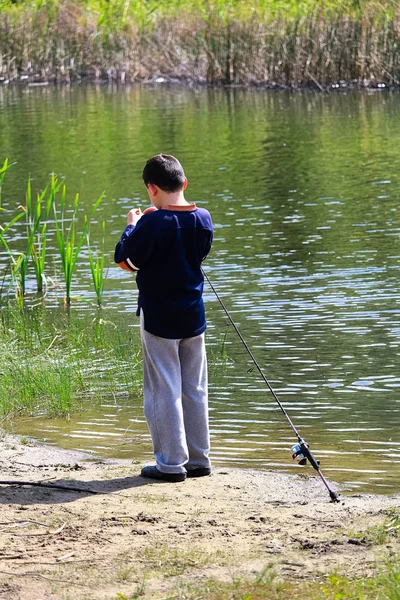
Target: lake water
column 304, row 192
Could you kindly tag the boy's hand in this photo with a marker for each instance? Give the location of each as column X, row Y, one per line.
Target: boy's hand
column 133, row 216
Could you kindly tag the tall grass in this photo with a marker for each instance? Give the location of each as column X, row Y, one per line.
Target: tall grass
column 69, row 241
column 97, row 267
column 39, row 244
column 52, row 362
column 19, row 260
column 273, row 42
column 33, row 219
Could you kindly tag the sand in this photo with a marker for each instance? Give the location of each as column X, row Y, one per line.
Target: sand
column 142, row 538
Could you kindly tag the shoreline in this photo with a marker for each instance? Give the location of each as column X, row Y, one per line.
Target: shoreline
column 170, row 82
column 162, row 537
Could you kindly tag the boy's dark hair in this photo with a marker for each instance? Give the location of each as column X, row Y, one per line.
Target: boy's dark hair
column 164, row 171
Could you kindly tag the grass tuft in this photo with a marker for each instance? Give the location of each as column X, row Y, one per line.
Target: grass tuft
column 51, row 363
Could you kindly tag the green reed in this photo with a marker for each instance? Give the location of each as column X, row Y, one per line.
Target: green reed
column 19, row 260
column 14, row 263
column 39, row 244
column 33, row 219
column 68, row 239
column 3, row 171
column 97, row 267
column 3, row 230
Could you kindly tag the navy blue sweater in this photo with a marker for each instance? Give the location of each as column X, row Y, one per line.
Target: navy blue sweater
column 167, row 248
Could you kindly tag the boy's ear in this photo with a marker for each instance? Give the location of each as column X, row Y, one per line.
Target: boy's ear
column 152, row 189
column 185, row 184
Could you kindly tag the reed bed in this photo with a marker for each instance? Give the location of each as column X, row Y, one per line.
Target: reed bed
column 69, row 241
column 271, row 42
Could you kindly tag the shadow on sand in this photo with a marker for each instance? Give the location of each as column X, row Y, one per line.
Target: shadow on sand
column 26, row 495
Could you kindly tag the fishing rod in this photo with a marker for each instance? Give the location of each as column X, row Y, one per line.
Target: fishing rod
column 301, row 451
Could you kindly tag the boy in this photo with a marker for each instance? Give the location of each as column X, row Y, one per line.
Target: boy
column 166, row 248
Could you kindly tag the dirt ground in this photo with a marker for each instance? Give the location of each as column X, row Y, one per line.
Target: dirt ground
column 140, row 538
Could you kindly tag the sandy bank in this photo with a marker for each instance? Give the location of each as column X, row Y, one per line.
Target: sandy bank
column 138, row 536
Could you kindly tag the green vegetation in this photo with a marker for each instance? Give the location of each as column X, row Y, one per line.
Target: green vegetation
column 388, row 531
column 68, row 240
column 383, row 586
column 68, row 243
column 97, row 267
column 283, row 42
column 3, row 171
column 3, row 231
column 20, row 264
column 51, row 362
column 38, row 251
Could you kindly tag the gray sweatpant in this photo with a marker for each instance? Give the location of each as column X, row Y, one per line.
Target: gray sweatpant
column 176, row 400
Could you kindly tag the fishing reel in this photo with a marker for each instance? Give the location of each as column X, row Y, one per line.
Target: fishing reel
column 300, row 453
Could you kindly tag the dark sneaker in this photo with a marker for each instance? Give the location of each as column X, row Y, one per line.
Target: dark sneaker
column 199, row 472
column 154, row 473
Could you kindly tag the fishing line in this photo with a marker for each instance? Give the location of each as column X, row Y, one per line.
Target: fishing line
column 301, row 451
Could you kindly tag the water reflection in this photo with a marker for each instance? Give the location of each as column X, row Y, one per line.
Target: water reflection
column 303, row 193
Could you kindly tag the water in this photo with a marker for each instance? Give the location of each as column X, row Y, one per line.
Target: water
column 303, row 190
